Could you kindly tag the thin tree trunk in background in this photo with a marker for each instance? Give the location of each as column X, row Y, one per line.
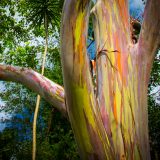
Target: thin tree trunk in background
column 38, row 97
column 113, row 123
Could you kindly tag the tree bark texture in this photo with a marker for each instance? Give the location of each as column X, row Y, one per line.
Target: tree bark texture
column 113, row 123
column 50, row 91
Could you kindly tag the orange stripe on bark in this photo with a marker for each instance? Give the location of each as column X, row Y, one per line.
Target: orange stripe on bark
column 119, row 65
column 115, row 111
column 80, row 50
column 124, row 11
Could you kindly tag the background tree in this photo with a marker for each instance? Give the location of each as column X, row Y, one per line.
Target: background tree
column 42, row 11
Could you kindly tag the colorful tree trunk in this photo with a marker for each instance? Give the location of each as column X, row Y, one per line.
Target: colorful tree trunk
column 111, row 123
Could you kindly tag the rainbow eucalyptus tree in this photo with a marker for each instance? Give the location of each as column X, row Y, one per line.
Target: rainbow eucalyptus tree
column 109, row 120
column 111, row 123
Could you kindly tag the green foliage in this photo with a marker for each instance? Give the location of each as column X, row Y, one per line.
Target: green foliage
column 22, row 56
column 36, row 11
column 59, row 141
column 54, row 141
column 8, row 143
column 54, row 136
column 12, row 32
column 155, row 74
column 154, row 110
column 154, row 128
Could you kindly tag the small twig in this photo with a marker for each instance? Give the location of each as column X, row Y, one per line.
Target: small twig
column 104, row 52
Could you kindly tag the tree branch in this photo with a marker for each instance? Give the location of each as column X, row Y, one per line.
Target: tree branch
column 149, row 40
column 50, row 91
